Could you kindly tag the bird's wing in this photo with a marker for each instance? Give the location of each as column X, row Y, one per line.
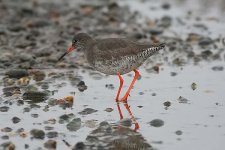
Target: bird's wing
column 116, row 47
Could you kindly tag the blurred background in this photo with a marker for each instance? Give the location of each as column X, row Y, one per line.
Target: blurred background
column 178, row 101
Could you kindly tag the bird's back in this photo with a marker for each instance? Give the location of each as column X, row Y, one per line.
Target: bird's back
column 114, row 55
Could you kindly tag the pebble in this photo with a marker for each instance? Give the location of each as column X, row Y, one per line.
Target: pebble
column 79, row 146
column 52, row 134
column 81, row 86
column 183, row 100
column 37, row 134
column 87, row 111
column 156, row 123
column 17, row 73
column 108, row 109
column 34, row 115
column 178, row 132
column 16, row 120
column 109, row 86
column 217, row 68
column 35, row 96
column 48, row 128
column 5, row 137
column 6, row 129
column 194, row 86
column 167, row 104
column 8, row 146
column 4, row 108
column 50, row 144
column 74, row 125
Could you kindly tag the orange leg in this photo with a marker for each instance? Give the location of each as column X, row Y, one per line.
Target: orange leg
column 132, row 117
column 120, row 112
column 121, row 84
column 124, row 99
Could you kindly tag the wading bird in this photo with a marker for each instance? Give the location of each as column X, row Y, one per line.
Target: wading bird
column 114, row 56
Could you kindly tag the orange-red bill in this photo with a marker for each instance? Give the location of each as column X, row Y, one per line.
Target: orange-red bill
column 70, row 49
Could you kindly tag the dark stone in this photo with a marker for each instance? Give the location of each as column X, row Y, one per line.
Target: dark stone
column 81, row 86
column 17, row 73
column 52, row 134
column 178, row 132
column 15, row 120
column 9, row 91
column 50, row 144
column 182, row 100
column 5, row 137
column 205, row 42
column 8, row 146
column 217, row 68
column 155, row 31
column 74, row 125
column 6, row 129
column 34, row 115
column 79, row 146
column 87, row 111
column 156, row 123
column 37, row 134
column 166, row 6
column 4, row 109
column 167, row 103
column 35, row 96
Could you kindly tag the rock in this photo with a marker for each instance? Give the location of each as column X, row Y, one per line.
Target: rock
column 74, row 125
column 155, row 31
column 35, row 96
column 16, row 120
column 165, row 22
column 182, row 100
column 205, row 41
column 178, row 132
column 217, row 68
column 37, row 134
column 6, row 129
column 166, row 6
column 109, row 86
column 49, row 128
column 17, row 73
column 38, row 75
column 81, row 86
column 90, row 123
column 173, row 74
column 87, row 111
column 34, row 115
column 194, row 86
column 79, row 146
column 108, row 109
column 8, row 146
column 65, row 118
column 52, row 134
column 5, row 137
column 50, row 144
column 9, row 91
column 167, row 104
column 4, row 109
column 156, row 123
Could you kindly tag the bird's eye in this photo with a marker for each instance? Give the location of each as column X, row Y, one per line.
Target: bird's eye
column 75, row 41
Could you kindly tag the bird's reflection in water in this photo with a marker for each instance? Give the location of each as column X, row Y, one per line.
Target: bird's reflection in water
column 136, row 124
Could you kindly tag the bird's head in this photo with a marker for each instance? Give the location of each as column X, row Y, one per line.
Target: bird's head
column 79, row 41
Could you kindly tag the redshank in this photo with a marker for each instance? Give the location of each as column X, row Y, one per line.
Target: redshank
column 114, row 56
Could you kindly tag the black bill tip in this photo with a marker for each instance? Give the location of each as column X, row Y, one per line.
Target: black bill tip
column 63, row 56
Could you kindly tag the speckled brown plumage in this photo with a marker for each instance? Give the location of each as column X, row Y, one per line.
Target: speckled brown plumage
column 114, row 55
